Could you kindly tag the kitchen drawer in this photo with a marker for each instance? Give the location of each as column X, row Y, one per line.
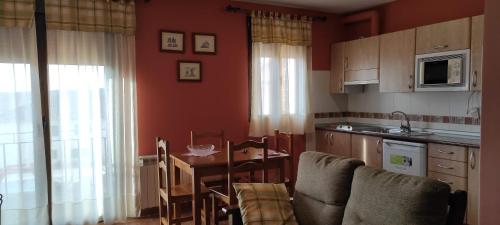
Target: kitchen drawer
column 449, row 167
column 456, row 153
column 456, row 183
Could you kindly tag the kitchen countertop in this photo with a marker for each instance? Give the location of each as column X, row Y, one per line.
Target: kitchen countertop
column 439, row 138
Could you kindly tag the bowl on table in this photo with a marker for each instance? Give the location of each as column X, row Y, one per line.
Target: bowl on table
column 201, row 150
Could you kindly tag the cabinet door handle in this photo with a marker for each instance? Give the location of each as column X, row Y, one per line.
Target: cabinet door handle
column 474, row 79
column 327, row 137
column 346, row 62
column 410, row 82
column 378, row 146
column 472, row 159
column 332, row 139
column 444, row 181
column 444, row 167
column 445, row 152
column 440, row 46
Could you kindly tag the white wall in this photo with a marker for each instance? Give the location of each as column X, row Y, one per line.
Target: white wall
column 321, row 99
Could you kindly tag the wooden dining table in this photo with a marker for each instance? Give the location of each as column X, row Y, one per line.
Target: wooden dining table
column 217, row 164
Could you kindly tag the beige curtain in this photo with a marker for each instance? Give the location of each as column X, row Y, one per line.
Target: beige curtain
column 281, row 68
column 91, row 15
column 281, row 28
column 17, row 13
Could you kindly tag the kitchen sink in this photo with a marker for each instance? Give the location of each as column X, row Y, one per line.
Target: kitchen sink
column 380, row 130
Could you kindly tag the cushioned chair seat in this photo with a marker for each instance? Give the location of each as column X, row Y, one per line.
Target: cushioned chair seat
column 322, row 188
column 384, row 198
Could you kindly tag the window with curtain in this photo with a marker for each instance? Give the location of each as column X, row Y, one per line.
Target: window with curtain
column 281, row 56
column 91, row 91
column 23, row 178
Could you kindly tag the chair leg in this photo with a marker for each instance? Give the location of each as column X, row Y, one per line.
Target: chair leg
column 215, row 211
column 207, row 205
column 177, row 212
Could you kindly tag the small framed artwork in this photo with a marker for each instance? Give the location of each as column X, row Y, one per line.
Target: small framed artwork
column 171, row 41
column 188, row 70
column 204, row 43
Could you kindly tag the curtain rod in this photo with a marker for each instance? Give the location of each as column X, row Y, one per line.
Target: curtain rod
column 233, row 9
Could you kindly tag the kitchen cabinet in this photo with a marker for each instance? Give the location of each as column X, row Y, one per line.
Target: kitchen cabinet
column 367, row 149
column 445, row 36
column 336, row 143
column 473, row 187
column 337, row 68
column 397, row 61
column 361, row 61
column 476, row 52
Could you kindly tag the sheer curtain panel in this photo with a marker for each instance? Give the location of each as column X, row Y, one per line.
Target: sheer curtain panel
column 23, row 179
column 281, row 72
column 93, row 133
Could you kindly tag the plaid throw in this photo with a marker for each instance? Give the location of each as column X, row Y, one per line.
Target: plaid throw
column 17, row 13
column 282, row 29
column 91, row 15
column 264, row 204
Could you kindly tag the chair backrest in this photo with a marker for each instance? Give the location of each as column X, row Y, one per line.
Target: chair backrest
column 214, row 136
column 283, row 142
column 322, row 188
column 235, row 167
column 163, row 160
column 381, row 197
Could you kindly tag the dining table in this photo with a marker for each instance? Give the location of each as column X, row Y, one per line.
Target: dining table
column 217, row 164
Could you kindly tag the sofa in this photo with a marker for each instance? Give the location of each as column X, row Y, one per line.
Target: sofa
column 332, row 190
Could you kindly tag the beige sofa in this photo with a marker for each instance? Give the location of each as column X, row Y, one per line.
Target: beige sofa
column 333, row 190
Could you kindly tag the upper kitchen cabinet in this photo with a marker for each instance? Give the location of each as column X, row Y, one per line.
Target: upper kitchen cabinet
column 337, row 68
column 397, row 61
column 477, row 36
column 361, row 61
column 442, row 37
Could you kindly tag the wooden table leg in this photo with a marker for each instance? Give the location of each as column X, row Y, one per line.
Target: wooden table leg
column 197, row 201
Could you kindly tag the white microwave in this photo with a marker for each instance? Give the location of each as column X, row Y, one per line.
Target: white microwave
column 443, row 71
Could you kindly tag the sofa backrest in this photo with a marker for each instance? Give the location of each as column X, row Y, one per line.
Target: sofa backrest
column 380, row 197
column 322, row 188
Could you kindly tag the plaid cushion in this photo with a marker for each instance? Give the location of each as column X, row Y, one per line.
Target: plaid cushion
column 264, row 204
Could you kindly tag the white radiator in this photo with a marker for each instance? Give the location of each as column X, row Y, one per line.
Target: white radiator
column 149, row 181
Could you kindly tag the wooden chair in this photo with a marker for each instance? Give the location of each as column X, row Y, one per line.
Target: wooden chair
column 234, row 168
column 198, row 137
column 283, row 142
column 172, row 195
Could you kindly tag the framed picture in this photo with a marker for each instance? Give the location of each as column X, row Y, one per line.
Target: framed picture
column 188, row 70
column 204, row 43
column 171, row 41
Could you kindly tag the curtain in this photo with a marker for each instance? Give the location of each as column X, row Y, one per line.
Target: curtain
column 23, row 178
column 93, row 132
column 17, row 13
column 91, row 15
column 281, row 68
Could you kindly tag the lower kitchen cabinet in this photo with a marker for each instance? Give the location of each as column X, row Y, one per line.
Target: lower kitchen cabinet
column 367, row 149
column 473, row 187
column 336, row 143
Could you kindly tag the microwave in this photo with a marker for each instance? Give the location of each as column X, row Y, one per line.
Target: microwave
column 443, row 71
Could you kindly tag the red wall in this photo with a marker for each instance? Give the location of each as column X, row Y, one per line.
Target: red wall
column 169, row 108
column 490, row 143
column 405, row 14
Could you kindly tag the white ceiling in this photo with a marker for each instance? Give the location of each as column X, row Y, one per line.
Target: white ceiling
column 331, row 6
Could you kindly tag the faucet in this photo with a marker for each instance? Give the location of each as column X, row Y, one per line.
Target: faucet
column 404, row 128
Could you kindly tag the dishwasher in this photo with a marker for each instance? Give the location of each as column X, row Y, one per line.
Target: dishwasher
column 405, row 157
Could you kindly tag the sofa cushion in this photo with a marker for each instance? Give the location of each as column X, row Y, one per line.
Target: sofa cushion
column 322, row 188
column 264, row 204
column 379, row 197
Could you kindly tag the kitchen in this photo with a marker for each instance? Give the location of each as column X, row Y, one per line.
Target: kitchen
column 409, row 102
